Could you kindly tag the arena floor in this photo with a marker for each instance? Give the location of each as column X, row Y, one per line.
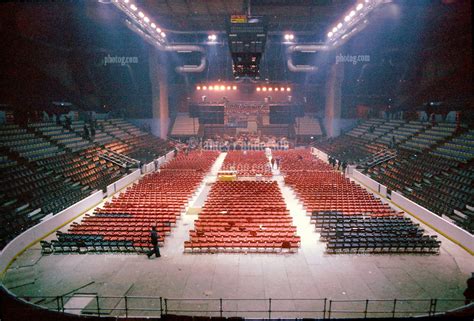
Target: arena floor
column 307, row 274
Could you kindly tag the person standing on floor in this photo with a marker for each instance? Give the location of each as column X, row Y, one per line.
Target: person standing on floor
column 154, row 241
column 273, row 163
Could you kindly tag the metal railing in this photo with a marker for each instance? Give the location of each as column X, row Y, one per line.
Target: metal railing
column 130, row 306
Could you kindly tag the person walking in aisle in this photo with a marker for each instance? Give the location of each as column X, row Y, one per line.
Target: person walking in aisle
column 154, row 241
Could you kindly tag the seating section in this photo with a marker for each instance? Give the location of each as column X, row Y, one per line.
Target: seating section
column 365, row 127
column 350, row 149
column 430, row 137
column 460, row 148
column 247, row 163
column 326, row 193
column 243, row 216
column 26, row 144
column 61, row 136
column 123, row 224
column 185, row 125
column 100, row 137
column 46, row 168
column 307, row 126
column 404, row 131
column 362, row 234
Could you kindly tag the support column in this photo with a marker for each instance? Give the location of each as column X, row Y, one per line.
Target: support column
column 159, row 92
column 333, row 100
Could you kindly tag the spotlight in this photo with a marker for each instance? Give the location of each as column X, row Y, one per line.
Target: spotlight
column 352, row 13
column 228, row 87
column 289, row 36
column 146, row 19
column 222, row 87
column 163, row 34
column 204, row 87
column 334, row 29
column 330, row 34
column 270, row 89
column 158, row 30
column 133, row 7
column 212, row 37
column 258, row 88
column 282, row 89
column 359, row 6
column 211, row 87
column 153, row 25
column 339, row 25
column 276, row 88
column 198, row 88
column 347, row 18
column 234, row 87
column 141, row 14
column 126, row 1
column 264, row 89
column 288, row 89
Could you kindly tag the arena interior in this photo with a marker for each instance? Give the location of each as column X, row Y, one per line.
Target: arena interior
column 288, row 159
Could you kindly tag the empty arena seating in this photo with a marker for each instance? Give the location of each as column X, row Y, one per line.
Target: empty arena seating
column 123, row 224
column 185, row 126
column 247, row 163
column 243, row 216
column 350, row 149
column 26, row 144
column 330, row 196
column 307, row 126
column 429, row 137
column 460, row 148
column 61, row 136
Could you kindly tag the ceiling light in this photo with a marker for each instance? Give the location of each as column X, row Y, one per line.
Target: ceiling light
column 352, row 13
column 359, row 7
column 198, row 87
column 334, row 29
column 258, row 88
column 211, row 87
column 347, row 18
column 163, row 34
column 264, row 89
column 339, row 25
column 204, row 87
column 282, row 89
column 330, row 34
column 133, row 7
column 153, row 25
column 146, row 19
column 234, row 87
column 141, row 14
column 212, row 37
column 288, row 89
column 270, row 89
column 228, row 87
column 222, row 87
column 158, row 30
column 276, row 89
column 126, row 1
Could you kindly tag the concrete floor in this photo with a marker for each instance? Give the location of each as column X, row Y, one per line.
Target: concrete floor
column 252, row 278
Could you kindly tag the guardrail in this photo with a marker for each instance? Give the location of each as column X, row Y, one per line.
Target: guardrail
column 141, row 306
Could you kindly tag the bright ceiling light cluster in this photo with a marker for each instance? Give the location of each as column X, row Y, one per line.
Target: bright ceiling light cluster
column 289, row 37
column 216, row 87
column 212, row 38
column 348, row 23
column 271, row 89
column 140, row 19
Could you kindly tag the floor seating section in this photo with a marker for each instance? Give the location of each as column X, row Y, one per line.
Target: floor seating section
column 123, row 224
column 247, row 163
column 363, row 234
column 323, row 190
column 243, row 216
